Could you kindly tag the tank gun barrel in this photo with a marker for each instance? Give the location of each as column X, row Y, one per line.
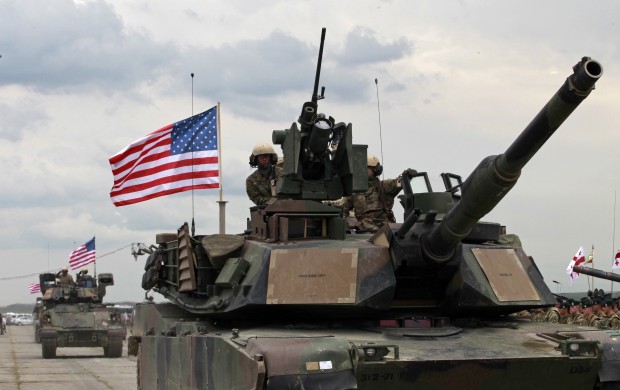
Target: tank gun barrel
column 496, row 175
column 597, row 273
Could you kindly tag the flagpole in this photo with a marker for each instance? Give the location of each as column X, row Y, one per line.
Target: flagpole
column 193, row 223
column 613, row 245
column 592, row 263
column 221, row 202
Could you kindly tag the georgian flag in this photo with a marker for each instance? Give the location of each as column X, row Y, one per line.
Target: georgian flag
column 578, row 259
column 616, row 263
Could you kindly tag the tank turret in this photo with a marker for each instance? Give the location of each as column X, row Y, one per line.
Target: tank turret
column 295, row 256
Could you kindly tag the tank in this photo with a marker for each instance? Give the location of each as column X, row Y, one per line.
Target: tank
column 73, row 315
column 298, row 301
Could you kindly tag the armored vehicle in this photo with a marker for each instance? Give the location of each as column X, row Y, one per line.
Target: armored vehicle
column 297, row 301
column 73, row 315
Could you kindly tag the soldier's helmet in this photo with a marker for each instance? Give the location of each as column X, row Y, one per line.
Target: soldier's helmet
column 374, row 163
column 260, row 149
column 65, row 270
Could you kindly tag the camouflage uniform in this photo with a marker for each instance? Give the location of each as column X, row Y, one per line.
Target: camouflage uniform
column 593, row 320
column 258, row 187
column 538, row 315
column 370, row 207
column 65, row 279
column 580, row 319
column 613, row 321
column 552, row 315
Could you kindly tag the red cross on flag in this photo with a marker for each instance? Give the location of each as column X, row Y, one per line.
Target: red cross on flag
column 578, row 259
column 616, row 263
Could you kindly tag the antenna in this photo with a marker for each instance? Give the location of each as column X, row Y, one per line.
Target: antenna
column 380, row 130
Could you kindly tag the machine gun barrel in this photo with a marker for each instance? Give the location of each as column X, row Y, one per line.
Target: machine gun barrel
column 317, row 77
column 496, row 175
column 309, row 109
column 597, row 273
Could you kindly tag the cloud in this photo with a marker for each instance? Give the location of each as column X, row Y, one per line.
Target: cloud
column 363, row 48
column 64, row 46
column 19, row 117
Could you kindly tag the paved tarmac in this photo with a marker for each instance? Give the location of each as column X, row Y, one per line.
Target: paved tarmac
column 23, row 368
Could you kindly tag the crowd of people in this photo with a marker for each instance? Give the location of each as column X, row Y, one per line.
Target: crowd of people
column 597, row 309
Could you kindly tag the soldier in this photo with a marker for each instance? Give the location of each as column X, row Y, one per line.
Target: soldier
column 552, row 315
column 593, row 319
column 577, row 317
column 564, row 312
column 374, row 207
column 611, row 318
column 64, row 278
column 259, row 184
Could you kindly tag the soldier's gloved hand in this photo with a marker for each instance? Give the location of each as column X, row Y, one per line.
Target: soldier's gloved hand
column 411, row 172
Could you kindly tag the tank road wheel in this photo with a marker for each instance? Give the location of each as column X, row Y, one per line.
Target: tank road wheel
column 48, row 348
column 114, row 348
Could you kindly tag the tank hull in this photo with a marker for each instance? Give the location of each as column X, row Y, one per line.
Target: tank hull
column 501, row 354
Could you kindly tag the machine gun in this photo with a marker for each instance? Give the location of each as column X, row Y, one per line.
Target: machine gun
column 320, row 160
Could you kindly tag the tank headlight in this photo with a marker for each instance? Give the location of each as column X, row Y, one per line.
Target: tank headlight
column 578, row 347
column 375, row 352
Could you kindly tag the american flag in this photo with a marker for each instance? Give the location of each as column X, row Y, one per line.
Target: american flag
column 82, row 255
column 616, row 263
column 34, row 288
column 176, row 158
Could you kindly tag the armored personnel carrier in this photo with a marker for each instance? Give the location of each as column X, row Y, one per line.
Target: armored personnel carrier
column 73, row 315
column 297, row 301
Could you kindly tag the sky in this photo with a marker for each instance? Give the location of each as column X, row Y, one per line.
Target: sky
column 457, row 81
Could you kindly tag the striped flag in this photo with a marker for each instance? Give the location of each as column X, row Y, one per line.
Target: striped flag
column 179, row 157
column 34, row 288
column 616, row 263
column 82, row 255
